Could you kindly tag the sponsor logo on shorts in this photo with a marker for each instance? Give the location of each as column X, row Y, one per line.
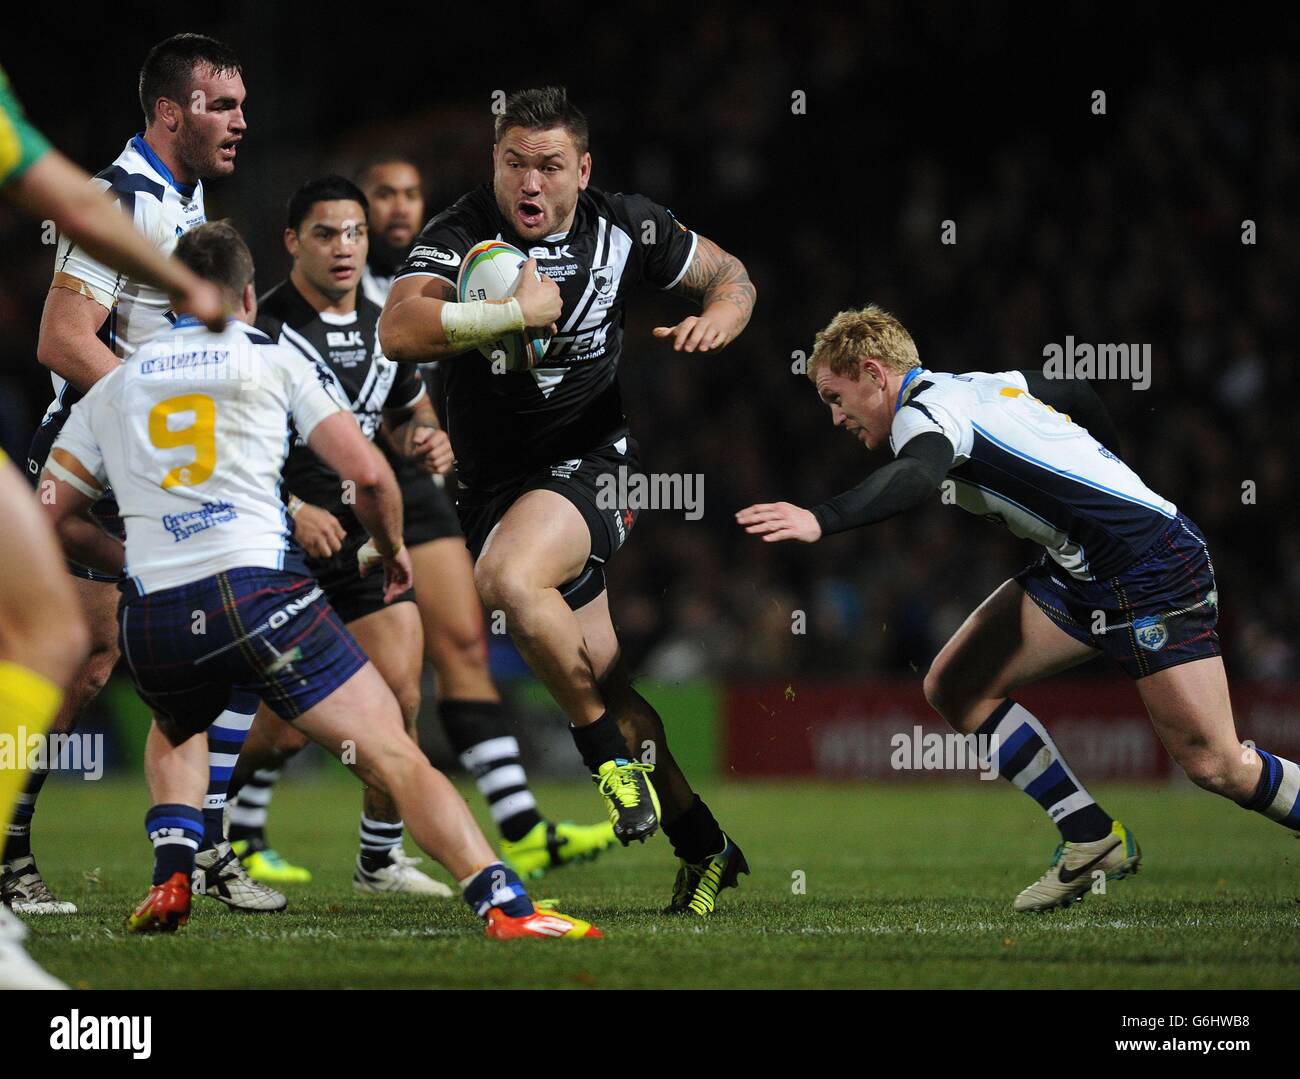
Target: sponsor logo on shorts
column 1151, row 633
column 293, row 607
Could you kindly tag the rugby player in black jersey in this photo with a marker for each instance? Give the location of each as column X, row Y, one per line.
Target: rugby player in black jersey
column 455, row 642
column 319, row 311
column 531, row 446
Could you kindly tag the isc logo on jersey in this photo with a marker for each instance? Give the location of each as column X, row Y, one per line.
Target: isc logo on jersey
column 492, row 271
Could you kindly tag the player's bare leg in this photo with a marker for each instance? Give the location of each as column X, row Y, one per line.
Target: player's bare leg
column 1005, row 643
column 361, row 724
column 452, row 619
column 393, row 640
column 475, row 720
column 43, row 643
column 1192, row 714
column 540, row 544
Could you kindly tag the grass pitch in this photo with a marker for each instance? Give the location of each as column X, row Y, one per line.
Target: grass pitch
column 853, row 886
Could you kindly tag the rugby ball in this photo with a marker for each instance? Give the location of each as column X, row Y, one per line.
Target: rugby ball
column 492, row 271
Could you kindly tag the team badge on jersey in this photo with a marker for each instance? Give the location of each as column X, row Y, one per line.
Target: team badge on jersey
column 602, row 277
column 1151, row 633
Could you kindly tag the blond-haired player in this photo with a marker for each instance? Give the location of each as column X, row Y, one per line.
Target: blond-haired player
column 1123, row 573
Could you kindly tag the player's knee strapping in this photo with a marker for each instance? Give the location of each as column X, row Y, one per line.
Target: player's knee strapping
column 1013, row 740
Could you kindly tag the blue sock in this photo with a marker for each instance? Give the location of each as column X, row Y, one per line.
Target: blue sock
column 1278, row 795
column 497, row 886
column 175, row 831
column 1027, row 756
column 225, row 740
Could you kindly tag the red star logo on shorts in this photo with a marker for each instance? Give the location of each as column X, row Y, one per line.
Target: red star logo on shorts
column 628, row 518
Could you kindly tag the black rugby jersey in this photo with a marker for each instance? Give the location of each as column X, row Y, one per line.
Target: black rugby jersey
column 345, row 350
column 504, row 425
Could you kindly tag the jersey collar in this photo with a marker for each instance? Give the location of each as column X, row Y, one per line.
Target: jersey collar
column 147, row 152
column 188, row 322
column 912, row 376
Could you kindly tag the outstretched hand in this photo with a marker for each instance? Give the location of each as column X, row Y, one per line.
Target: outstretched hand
column 776, row 521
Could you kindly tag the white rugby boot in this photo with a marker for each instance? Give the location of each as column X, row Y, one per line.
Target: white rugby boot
column 23, row 889
column 1075, row 868
column 399, row 875
column 220, row 875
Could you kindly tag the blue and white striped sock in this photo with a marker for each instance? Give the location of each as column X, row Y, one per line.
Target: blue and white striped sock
column 1027, row 756
column 225, row 740
column 497, row 886
column 1278, row 795
column 175, row 832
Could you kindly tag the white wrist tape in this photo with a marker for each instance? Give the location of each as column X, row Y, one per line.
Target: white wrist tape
column 72, row 479
column 368, row 554
column 469, row 325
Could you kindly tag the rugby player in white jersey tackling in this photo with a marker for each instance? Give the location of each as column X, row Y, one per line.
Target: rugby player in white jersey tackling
column 1123, row 574
column 216, row 602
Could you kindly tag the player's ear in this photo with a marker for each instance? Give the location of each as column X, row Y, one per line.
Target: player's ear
column 167, row 113
column 291, row 242
column 248, row 302
column 584, row 171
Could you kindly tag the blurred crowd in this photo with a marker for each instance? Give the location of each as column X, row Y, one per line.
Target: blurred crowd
column 1119, row 225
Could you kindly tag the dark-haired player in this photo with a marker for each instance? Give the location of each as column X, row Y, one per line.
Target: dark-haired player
column 1123, row 574
column 43, row 637
column 320, row 311
column 531, row 446
column 192, row 93
column 455, row 642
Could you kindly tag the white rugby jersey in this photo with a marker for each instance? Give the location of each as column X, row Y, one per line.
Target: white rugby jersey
column 1019, row 462
column 191, row 432
column 163, row 210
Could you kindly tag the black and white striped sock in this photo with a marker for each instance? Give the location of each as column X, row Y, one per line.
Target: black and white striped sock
column 248, row 810
column 480, row 734
column 379, row 838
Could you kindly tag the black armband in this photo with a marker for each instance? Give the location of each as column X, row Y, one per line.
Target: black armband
column 1078, row 400
column 900, row 485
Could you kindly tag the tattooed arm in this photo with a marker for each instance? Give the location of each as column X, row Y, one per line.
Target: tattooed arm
column 721, row 285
